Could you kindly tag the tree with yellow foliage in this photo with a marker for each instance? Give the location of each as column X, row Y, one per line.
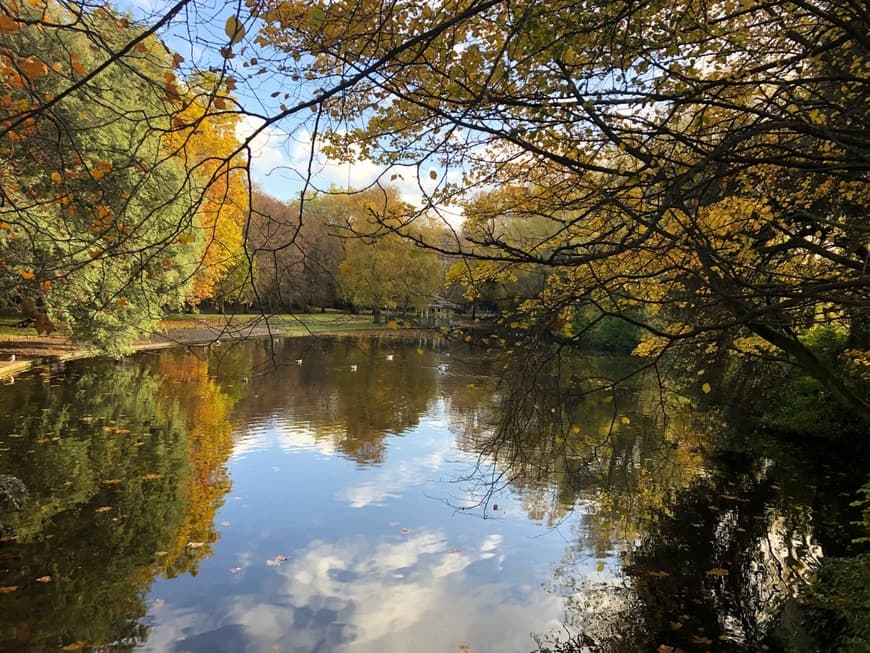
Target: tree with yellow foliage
column 703, row 168
column 120, row 193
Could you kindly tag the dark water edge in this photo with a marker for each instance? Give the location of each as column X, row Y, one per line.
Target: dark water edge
column 146, row 483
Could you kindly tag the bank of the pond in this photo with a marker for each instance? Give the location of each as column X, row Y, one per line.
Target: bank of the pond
column 19, row 353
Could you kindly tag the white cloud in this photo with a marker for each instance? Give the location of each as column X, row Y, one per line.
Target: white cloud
column 268, row 147
column 281, row 162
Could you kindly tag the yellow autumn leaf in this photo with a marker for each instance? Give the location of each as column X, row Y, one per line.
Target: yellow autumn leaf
column 706, row 388
column 27, row 275
column 717, row 572
column 234, row 29
column 56, row 177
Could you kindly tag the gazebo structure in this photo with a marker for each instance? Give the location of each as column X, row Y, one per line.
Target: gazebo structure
column 438, row 313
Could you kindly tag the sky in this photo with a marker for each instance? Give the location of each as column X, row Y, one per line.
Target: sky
column 282, row 152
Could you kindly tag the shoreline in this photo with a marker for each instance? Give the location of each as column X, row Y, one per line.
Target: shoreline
column 35, row 351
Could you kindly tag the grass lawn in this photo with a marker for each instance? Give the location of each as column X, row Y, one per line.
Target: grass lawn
column 289, row 324
column 286, row 323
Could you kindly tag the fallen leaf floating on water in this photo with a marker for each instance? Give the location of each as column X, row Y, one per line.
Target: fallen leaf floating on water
column 112, row 481
column 664, row 648
column 43, row 579
column 195, row 545
column 464, row 648
column 658, row 574
column 8, row 589
column 704, row 641
column 75, row 646
column 717, row 572
column 676, row 625
column 150, row 477
column 103, row 509
column 277, row 560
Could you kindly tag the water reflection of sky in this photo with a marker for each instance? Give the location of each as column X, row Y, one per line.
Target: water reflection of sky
column 378, row 558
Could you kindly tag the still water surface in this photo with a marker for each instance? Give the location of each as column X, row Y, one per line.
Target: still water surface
column 352, row 495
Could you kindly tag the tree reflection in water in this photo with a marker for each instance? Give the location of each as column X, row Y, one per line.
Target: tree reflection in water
column 685, row 538
column 680, row 534
column 124, row 469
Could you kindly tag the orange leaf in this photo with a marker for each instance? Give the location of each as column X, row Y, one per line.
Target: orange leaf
column 8, row 589
column 27, row 275
column 33, row 68
column 8, row 25
column 56, row 177
column 43, row 579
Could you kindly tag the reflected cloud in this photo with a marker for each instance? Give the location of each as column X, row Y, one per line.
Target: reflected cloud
column 287, row 436
column 392, row 481
column 391, row 595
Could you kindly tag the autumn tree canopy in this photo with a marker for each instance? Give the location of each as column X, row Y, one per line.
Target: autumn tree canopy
column 704, row 168
column 699, row 171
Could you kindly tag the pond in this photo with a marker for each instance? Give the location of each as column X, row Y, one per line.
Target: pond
column 386, row 494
